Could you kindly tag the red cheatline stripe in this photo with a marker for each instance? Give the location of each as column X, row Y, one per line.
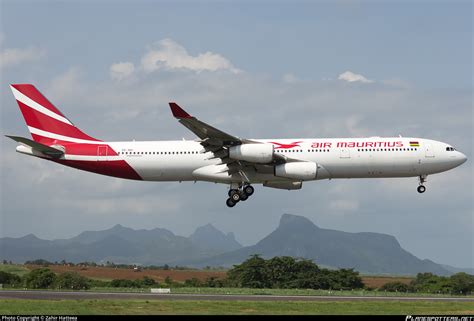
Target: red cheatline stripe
column 34, row 94
column 87, row 149
column 111, row 168
column 38, row 120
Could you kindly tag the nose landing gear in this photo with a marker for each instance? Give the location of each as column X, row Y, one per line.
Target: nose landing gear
column 241, row 193
column 421, row 188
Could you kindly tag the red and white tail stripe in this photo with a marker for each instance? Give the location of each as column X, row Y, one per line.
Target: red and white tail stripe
column 46, row 123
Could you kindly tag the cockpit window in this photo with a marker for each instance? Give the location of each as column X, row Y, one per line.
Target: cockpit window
column 450, row 149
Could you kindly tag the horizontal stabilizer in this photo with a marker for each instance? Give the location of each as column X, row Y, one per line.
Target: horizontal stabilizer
column 47, row 150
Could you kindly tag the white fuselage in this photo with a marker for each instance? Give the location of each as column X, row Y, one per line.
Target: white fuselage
column 336, row 158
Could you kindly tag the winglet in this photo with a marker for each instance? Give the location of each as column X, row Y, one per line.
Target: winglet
column 178, row 112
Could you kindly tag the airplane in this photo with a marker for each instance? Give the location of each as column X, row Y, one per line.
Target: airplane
column 219, row 157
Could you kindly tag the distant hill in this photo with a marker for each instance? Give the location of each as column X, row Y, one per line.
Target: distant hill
column 295, row 236
column 298, row 237
column 208, row 237
column 121, row 244
column 457, row 270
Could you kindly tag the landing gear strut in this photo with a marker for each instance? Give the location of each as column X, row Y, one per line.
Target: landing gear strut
column 421, row 188
column 241, row 193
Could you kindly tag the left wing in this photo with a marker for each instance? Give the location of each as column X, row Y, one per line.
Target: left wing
column 218, row 142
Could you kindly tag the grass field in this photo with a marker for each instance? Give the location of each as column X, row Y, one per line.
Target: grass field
column 19, row 270
column 291, row 292
column 249, row 291
column 34, row 307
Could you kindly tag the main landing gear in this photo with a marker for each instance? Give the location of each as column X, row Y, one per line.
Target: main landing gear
column 421, row 188
column 239, row 194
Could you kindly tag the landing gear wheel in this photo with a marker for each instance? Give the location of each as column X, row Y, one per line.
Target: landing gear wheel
column 421, row 188
column 232, row 192
column 235, row 197
column 230, row 202
column 243, row 196
column 248, row 190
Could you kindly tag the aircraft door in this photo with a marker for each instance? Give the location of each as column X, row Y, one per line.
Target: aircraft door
column 102, row 153
column 429, row 151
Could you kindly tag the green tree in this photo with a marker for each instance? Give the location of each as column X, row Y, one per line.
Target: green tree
column 194, row 282
column 348, row 279
column 250, row 273
column 431, row 283
column 42, row 278
column 213, row 282
column 462, row 283
column 72, row 280
column 148, row 281
column 280, row 271
column 123, row 283
column 9, row 278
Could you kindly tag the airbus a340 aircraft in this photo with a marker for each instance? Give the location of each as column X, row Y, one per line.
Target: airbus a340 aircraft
column 223, row 158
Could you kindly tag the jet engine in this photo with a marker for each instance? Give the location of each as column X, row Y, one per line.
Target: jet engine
column 297, row 170
column 254, row 153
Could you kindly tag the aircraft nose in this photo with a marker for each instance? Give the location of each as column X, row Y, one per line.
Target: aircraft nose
column 462, row 158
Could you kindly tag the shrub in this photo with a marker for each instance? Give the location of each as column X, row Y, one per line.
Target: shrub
column 73, row 281
column 40, row 279
column 9, row 279
column 396, row 287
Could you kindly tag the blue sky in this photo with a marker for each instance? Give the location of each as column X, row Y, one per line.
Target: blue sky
column 278, row 65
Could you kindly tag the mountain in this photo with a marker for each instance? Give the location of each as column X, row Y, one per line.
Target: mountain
column 209, row 237
column 299, row 237
column 121, row 244
column 295, row 236
column 458, row 270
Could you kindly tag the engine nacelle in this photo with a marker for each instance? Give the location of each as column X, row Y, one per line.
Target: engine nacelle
column 254, row 153
column 283, row 185
column 297, row 170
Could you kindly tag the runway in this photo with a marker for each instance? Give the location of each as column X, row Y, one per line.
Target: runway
column 83, row 295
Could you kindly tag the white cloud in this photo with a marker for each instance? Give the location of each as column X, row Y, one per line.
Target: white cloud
column 121, row 70
column 67, row 86
column 14, row 56
column 349, row 76
column 290, row 78
column 171, row 55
